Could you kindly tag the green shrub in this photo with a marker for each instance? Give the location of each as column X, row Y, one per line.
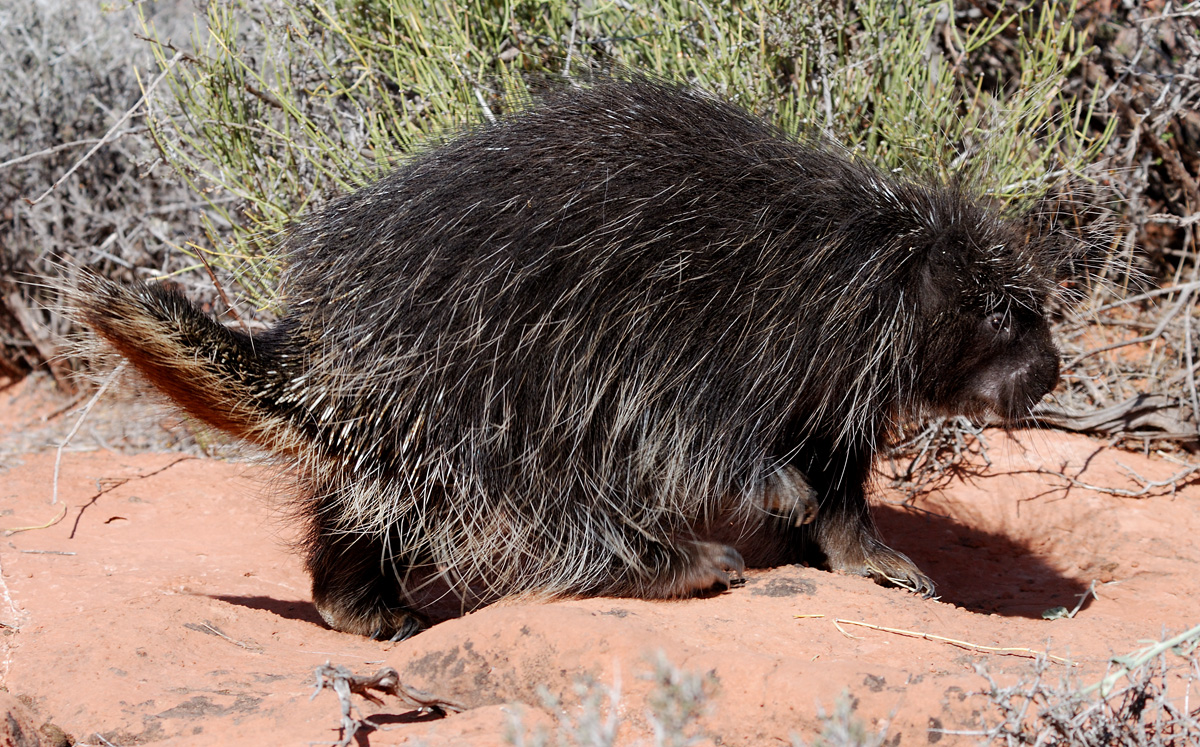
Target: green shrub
column 288, row 102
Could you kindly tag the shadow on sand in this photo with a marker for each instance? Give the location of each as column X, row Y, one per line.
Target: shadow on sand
column 974, row 569
column 978, row 570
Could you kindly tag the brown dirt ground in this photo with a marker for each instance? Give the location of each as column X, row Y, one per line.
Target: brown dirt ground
column 165, row 607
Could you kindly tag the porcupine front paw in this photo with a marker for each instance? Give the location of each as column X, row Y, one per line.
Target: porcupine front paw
column 887, row 567
column 698, row 567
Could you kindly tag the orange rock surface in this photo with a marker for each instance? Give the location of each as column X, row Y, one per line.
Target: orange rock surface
column 165, row 606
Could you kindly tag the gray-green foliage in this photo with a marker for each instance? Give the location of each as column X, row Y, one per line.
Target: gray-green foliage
column 843, row 728
column 1138, row 702
column 69, row 71
column 288, row 102
column 675, row 705
column 898, row 81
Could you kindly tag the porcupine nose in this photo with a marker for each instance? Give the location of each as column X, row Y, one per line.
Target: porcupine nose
column 1034, row 375
column 1043, row 375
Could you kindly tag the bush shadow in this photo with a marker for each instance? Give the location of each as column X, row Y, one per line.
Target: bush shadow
column 978, row 570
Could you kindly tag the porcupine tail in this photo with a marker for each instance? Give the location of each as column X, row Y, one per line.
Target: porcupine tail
column 225, row 378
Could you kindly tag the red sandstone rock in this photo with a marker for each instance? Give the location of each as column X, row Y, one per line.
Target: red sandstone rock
column 166, row 607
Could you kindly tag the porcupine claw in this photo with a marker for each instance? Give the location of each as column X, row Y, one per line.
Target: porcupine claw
column 407, row 628
column 891, row 568
column 854, row 549
column 732, row 568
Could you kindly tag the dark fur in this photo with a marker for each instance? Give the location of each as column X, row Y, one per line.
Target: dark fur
column 603, row 347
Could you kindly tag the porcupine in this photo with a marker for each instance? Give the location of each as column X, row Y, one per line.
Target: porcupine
column 609, row 345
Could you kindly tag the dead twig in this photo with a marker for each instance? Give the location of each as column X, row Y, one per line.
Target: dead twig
column 1184, row 298
column 1167, row 487
column 36, row 334
column 47, row 525
column 387, row 681
column 67, row 146
column 209, row 629
column 1131, row 417
column 82, row 416
column 1001, row 650
column 113, row 485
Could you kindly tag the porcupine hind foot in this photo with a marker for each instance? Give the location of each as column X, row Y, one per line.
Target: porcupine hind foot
column 850, row 546
column 787, row 495
column 354, row 591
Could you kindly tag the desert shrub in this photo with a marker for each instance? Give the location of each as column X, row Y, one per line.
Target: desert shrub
column 285, row 104
column 71, row 70
column 676, row 703
column 270, row 109
column 1142, row 702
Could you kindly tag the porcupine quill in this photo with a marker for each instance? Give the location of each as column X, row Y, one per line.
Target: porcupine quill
column 622, row 343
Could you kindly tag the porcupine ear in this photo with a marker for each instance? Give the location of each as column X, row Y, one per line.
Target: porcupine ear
column 936, row 263
column 933, row 293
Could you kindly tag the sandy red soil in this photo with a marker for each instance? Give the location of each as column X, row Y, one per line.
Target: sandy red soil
column 165, row 606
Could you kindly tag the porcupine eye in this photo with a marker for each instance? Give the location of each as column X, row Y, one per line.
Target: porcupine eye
column 999, row 324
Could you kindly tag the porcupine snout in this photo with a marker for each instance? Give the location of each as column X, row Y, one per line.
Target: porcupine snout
column 1013, row 382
